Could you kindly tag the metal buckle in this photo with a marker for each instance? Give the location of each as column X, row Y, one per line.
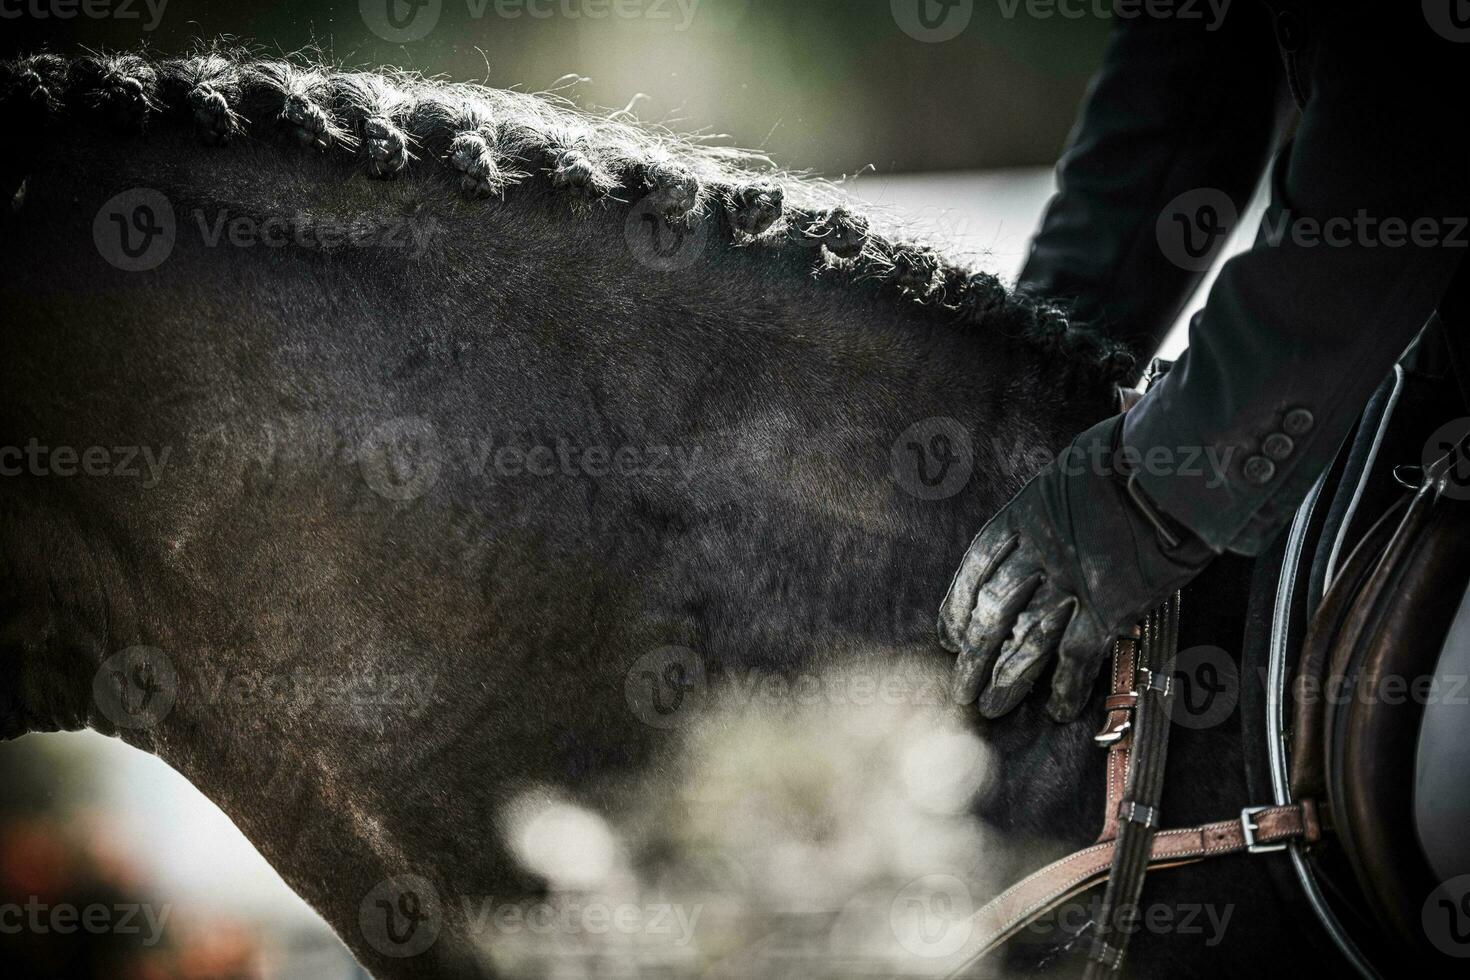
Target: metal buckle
column 1248, row 828
column 1144, row 680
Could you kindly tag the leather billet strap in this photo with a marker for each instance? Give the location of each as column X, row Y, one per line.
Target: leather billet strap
column 1116, row 734
column 1044, row 890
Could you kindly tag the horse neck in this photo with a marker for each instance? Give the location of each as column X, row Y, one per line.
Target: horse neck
column 777, row 410
column 284, row 545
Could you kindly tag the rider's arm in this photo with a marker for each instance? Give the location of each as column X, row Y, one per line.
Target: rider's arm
column 1369, row 210
column 1366, row 229
column 1178, row 105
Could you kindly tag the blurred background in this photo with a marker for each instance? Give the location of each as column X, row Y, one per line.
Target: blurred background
column 949, row 112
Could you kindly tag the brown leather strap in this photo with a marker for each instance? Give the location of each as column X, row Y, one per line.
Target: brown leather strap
column 1117, row 731
column 1044, row 890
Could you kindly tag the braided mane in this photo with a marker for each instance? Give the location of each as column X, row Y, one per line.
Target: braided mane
column 491, row 142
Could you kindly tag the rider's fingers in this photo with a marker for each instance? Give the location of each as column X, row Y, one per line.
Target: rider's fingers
column 992, row 546
column 1000, row 601
column 1080, row 655
column 1026, row 654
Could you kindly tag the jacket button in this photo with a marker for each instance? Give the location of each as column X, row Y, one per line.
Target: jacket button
column 1259, row 469
column 1298, row 422
column 1278, row 445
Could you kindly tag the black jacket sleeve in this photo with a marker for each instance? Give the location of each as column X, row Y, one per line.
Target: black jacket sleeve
column 1366, row 227
column 1179, row 105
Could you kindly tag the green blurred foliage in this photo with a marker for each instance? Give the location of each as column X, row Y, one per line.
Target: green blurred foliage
column 826, row 85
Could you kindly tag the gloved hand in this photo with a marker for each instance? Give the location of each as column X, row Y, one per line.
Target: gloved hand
column 1076, row 559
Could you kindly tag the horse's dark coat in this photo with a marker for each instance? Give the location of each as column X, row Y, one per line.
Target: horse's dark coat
column 268, row 548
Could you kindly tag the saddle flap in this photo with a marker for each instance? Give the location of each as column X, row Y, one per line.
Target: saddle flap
column 1377, row 638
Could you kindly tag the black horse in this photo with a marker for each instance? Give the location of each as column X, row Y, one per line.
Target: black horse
column 431, row 474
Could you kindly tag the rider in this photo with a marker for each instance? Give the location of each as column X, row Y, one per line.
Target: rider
column 1364, row 230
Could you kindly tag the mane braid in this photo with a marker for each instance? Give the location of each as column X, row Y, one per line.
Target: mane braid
column 488, row 141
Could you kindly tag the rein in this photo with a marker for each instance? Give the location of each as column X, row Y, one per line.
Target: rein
column 1135, row 733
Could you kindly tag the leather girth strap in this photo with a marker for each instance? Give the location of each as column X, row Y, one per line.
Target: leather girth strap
column 1139, row 687
column 1055, row 884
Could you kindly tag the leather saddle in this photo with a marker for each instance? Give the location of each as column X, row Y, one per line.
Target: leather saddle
column 1368, row 672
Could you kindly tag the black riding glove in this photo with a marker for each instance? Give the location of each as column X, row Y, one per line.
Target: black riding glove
column 1073, row 561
